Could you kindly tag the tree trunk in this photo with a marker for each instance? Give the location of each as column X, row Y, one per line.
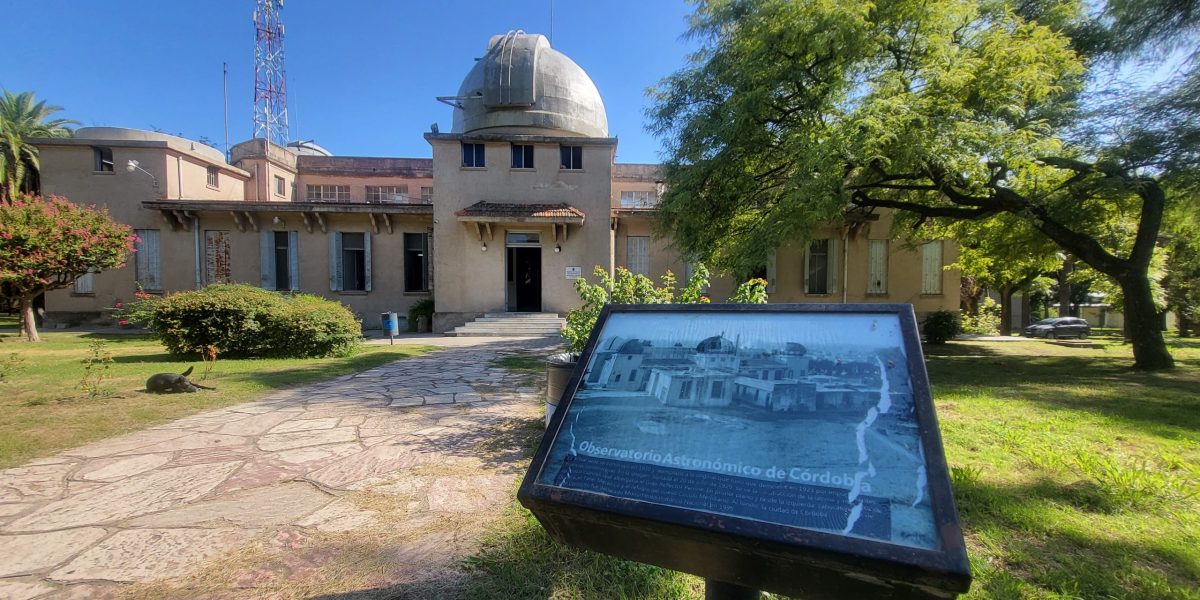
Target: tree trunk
column 1142, row 324
column 1006, row 294
column 1184, row 325
column 28, row 323
column 1064, row 287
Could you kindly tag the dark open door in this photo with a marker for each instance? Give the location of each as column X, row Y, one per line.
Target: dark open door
column 525, row 279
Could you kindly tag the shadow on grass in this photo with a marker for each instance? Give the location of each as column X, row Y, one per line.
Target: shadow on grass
column 1162, row 403
column 1034, row 547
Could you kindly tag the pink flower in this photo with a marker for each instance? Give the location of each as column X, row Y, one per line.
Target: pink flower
column 123, row 322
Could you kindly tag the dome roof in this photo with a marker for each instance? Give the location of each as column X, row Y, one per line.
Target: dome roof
column 716, row 344
column 521, row 82
column 632, row 347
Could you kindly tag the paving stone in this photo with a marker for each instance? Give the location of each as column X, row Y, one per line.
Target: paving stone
column 86, row 591
column 256, row 424
column 439, row 399
column 23, row 590
column 192, row 441
column 148, row 554
column 306, row 425
column 407, row 401
column 112, row 469
column 304, row 456
column 138, row 495
column 475, row 493
column 274, row 505
column 375, row 461
column 125, row 442
column 300, row 439
column 41, row 482
column 27, row 554
column 341, row 515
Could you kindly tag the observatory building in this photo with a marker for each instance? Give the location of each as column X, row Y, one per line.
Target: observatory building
column 520, row 198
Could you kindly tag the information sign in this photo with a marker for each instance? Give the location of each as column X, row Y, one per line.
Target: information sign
column 694, row 437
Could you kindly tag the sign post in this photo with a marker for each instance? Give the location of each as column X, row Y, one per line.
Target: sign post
column 785, row 448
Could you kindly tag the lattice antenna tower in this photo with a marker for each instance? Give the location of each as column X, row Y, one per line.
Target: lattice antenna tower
column 270, row 83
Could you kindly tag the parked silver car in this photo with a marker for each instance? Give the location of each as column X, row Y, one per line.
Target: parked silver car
column 1059, row 327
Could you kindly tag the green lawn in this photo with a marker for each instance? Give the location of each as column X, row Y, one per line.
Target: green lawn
column 45, row 410
column 1075, row 477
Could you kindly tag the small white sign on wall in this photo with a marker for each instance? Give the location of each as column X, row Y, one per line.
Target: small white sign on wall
column 574, row 272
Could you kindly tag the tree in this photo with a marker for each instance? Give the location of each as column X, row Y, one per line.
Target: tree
column 47, row 244
column 1181, row 285
column 21, row 118
column 1003, row 254
column 945, row 111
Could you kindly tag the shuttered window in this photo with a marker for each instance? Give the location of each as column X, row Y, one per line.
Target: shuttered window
column 280, row 260
column 638, row 258
column 931, row 268
column 147, row 260
column 218, row 257
column 877, row 267
column 821, row 262
column 84, row 284
column 350, row 262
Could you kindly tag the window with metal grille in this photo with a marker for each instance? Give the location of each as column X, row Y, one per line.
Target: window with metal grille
column 571, row 157
column 214, row 177
column 473, row 156
column 638, row 258
column 280, row 186
column 821, row 267
column 387, row 193
column 522, row 156
column 638, row 199
column 427, row 194
column 147, row 260
column 328, row 193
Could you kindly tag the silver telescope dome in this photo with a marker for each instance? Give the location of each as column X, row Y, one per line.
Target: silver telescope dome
column 522, row 83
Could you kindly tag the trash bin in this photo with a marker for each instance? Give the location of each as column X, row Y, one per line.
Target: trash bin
column 391, row 325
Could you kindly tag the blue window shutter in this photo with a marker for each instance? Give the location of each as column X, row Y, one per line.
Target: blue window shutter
column 367, row 261
column 266, row 245
column 293, row 259
column 335, row 261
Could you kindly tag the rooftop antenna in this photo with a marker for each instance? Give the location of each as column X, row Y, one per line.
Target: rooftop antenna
column 225, row 88
column 270, row 84
column 552, row 22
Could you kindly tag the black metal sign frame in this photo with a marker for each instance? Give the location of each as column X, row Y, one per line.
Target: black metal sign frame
column 755, row 553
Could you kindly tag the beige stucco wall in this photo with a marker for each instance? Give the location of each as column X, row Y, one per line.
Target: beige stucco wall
column 469, row 280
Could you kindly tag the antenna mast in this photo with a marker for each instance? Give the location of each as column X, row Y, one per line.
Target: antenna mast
column 270, row 84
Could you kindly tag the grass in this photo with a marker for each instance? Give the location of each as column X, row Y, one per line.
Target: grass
column 45, row 410
column 1075, row 477
column 523, row 363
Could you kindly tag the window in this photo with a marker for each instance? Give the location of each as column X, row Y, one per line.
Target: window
column 387, row 193
column 214, row 177
column 931, row 268
column 571, row 157
column 821, row 272
column 638, row 199
column 147, row 261
column 427, row 194
column 877, row 267
column 416, row 262
column 638, row 258
column 350, row 262
column 280, row 267
column 83, row 286
column 718, row 389
column 633, row 375
column 685, row 389
column 103, row 159
column 328, row 193
column 522, row 156
column 280, row 186
column 473, row 156
column 218, row 257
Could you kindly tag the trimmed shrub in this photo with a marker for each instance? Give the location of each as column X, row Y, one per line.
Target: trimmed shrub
column 245, row 321
column 311, row 326
column 940, row 326
column 420, row 308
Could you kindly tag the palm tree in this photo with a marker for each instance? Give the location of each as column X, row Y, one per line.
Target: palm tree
column 21, row 118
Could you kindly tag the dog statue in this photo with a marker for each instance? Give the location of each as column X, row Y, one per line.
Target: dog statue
column 171, row 383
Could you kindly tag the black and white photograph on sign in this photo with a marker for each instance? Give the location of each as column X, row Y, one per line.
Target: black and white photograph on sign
column 799, row 419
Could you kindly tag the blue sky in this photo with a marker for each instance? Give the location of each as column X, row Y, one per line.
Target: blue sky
column 362, row 76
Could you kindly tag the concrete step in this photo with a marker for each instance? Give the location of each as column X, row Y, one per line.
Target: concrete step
column 511, row 325
column 494, row 333
column 513, row 330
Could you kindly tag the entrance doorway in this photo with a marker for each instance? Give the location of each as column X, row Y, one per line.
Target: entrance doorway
column 524, row 272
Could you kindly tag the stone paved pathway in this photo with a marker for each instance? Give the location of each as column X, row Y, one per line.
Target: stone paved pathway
column 373, row 480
